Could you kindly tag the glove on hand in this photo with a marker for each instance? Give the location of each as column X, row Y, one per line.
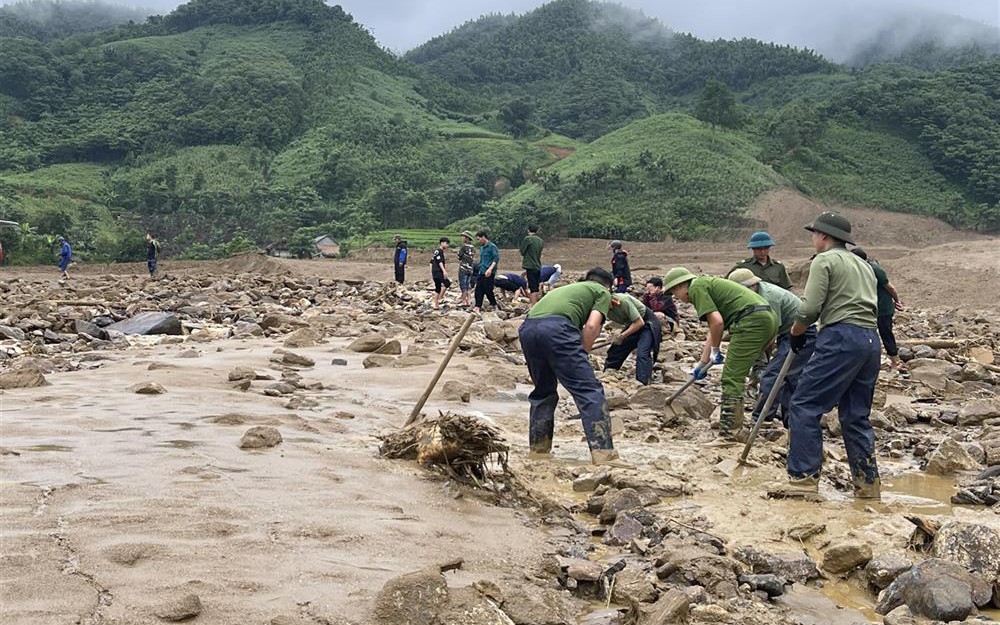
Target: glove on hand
column 797, row 342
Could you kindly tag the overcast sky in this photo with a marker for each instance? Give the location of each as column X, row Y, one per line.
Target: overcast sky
column 825, row 25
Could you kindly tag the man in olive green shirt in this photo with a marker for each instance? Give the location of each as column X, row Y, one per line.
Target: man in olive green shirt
column 725, row 305
column 641, row 335
column 556, row 338
column 761, row 263
column 844, row 368
column 531, row 262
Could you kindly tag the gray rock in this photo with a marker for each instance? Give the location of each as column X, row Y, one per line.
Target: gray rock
column 625, row 529
column 303, row 337
column 949, row 458
column 457, row 390
column 590, row 481
column 367, row 343
column 391, row 348
column 9, row 332
column 149, row 323
column 179, row 609
column 768, row 583
column 242, row 373
column 617, row 501
column 793, row 566
column 933, row 373
column 260, row 436
column 584, row 570
column 884, row 569
column 530, row 605
column 900, row 616
column 977, row 411
column 414, row 599
column 846, row 556
column 603, row 617
column 286, row 357
column 936, row 589
column 148, row 388
column 339, row 362
column 81, row 326
column 972, row 546
column 901, row 413
column 374, row 361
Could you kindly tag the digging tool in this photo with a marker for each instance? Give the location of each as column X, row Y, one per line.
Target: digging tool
column 771, row 397
column 455, row 342
column 686, row 386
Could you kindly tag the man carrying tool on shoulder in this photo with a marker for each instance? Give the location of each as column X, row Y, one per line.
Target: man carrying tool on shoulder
column 725, row 305
column 841, row 294
column 785, row 305
column 556, row 337
column 641, row 335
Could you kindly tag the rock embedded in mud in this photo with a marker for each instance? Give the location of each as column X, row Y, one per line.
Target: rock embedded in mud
column 900, row 616
column 590, row 481
column 413, row 599
column 242, row 373
column 457, row 390
column 391, row 348
column 367, row 343
column 806, row 531
column 375, row 361
column 933, row 373
column 27, row 376
column 846, row 556
column 179, row 608
column 936, row 589
column 260, row 436
column 604, row 617
column 672, row 607
column 303, row 337
column 531, row 605
column 884, row 569
column 285, row 357
column 148, row 388
column 467, row 606
column 81, row 326
column 617, row 501
column 973, row 546
column 625, row 529
column 583, row 570
column 950, row 457
column 148, row 323
column 794, row 567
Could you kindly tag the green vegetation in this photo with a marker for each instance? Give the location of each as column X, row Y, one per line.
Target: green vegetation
column 415, row 239
column 236, row 123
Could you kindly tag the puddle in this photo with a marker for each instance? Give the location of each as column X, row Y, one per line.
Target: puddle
column 179, row 444
column 831, row 606
column 920, row 492
column 129, row 429
column 48, row 448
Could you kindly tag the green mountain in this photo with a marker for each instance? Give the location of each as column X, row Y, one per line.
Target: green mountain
column 236, row 123
column 51, row 19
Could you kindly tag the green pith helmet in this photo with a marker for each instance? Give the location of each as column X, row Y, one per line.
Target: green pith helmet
column 745, row 277
column 833, row 224
column 676, row 276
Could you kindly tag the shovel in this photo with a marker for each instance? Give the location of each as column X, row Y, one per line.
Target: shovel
column 685, row 387
column 771, row 397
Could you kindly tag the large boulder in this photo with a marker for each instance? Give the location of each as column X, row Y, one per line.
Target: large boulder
column 977, row 411
column 148, row 323
column 617, row 501
column 933, row 373
column 950, row 457
column 793, row 566
column 973, row 546
column 884, row 569
column 81, row 326
column 413, row 599
column 936, row 589
column 367, row 343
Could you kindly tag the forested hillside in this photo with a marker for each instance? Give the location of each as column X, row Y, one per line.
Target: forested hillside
column 236, row 123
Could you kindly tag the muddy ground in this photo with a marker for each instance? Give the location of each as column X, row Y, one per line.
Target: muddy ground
column 116, row 506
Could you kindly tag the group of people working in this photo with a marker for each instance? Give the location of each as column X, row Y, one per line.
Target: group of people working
column 831, row 334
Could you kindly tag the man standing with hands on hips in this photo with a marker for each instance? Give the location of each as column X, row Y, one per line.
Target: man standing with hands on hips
column 840, row 294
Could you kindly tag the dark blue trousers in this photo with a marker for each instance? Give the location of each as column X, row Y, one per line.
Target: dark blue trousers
column 770, row 375
column 842, row 372
column 645, row 343
column 554, row 352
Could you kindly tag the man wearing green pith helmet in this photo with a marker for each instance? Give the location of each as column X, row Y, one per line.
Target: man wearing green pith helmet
column 725, row 305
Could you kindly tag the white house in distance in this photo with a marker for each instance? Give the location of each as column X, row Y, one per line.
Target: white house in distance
column 326, row 246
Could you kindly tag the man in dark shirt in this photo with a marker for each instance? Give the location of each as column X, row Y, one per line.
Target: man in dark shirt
column 439, row 272
column 531, row 262
column 761, row 263
column 620, row 270
column 661, row 303
column 888, row 304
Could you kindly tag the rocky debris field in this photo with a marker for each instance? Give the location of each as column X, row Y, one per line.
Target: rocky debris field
column 315, row 373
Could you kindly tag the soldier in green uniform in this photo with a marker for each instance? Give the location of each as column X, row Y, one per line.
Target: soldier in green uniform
column 725, row 305
column 761, row 263
column 641, row 335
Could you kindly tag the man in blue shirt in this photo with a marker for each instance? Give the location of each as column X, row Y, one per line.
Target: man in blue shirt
column 65, row 256
column 489, row 258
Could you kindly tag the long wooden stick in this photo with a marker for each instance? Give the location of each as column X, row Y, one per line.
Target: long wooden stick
column 771, row 397
column 440, row 370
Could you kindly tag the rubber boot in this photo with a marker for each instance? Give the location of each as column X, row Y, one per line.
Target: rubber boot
column 806, row 488
column 867, row 490
column 608, row 458
column 730, row 416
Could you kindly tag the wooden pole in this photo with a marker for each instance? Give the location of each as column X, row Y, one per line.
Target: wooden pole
column 771, row 397
column 440, row 370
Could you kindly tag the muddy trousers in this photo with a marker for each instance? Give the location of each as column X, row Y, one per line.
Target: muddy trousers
column 770, row 375
column 842, row 372
column 886, row 334
column 554, row 352
column 747, row 339
column 646, row 345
